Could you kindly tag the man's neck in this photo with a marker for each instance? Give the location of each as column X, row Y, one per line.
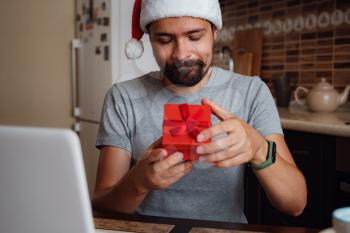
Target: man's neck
column 187, row 90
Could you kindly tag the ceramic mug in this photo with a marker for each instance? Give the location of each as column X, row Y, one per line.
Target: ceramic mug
column 282, row 90
column 341, row 220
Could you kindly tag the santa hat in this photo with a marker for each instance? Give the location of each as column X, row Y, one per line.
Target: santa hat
column 147, row 11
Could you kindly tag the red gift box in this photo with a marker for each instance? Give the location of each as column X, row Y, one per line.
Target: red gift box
column 182, row 123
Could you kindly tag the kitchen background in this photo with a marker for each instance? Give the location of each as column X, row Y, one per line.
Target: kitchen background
column 302, row 39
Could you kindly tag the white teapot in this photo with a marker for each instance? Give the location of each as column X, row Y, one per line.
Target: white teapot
column 322, row 97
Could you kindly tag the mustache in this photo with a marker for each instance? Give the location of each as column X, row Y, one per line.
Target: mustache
column 185, row 64
column 185, row 72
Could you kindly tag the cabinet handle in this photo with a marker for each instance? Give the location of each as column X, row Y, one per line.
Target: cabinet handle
column 345, row 187
column 76, row 44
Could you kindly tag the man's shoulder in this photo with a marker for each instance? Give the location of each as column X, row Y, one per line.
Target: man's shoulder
column 138, row 86
column 230, row 78
column 145, row 79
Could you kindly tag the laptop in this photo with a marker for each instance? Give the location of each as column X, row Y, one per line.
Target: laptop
column 42, row 182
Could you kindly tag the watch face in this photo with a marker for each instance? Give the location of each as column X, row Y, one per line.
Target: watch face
column 273, row 152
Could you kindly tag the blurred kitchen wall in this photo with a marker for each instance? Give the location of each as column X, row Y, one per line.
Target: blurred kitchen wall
column 35, row 84
column 304, row 40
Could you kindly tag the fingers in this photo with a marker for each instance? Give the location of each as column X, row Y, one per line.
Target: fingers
column 228, row 122
column 164, row 178
column 178, row 169
column 179, row 175
column 218, row 111
column 156, row 155
column 234, row 161
column 154, row 152
column 222, row 155
column 216, row 157
column 216, row 146
column 219, row 128
column 168, row 162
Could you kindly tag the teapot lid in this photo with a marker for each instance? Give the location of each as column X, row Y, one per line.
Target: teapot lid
column 323, row 85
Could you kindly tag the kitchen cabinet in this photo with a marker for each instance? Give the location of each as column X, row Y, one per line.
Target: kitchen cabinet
column 317, row 157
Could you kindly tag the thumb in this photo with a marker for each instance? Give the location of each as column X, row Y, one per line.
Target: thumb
column 218, row 111
column 155, row 151
column 157, row 146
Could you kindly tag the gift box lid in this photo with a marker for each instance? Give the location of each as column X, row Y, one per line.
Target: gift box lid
column 172, row 112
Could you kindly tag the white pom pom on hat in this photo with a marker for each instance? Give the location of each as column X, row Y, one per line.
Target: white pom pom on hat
column 147, row 11
column 134, row 47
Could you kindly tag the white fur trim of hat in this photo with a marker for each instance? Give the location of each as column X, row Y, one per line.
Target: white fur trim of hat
column 152, row 10
column 147, row 11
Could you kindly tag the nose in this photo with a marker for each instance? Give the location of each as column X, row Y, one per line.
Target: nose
column 181, row 51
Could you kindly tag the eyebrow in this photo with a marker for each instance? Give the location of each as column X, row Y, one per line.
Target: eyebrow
column 186, row 33
column 162, row 34
column 196, row 30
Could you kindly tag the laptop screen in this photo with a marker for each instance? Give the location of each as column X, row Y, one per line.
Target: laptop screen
column 42, row 182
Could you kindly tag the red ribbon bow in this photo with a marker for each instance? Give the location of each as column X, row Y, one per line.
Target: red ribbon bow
column 188, row 125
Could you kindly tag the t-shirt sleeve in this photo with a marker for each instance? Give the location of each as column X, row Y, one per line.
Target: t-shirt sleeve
column 114, row 129
column 264, row 116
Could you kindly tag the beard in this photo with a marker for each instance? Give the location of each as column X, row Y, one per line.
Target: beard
column 186, row 73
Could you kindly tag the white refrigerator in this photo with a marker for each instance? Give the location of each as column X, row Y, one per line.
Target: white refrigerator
column 98, row 61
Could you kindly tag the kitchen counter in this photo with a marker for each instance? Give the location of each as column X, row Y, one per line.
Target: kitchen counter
column 299, row 118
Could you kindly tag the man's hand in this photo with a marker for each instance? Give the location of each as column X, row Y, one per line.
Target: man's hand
column 241, row 144
column 155, row 170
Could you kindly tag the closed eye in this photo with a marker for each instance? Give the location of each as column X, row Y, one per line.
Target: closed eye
column 195, row 36
column 163, row 38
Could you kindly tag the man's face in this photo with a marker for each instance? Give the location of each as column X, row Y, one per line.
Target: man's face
column 183, row 48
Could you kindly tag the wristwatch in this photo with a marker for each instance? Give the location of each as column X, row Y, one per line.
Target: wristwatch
column 270, row 157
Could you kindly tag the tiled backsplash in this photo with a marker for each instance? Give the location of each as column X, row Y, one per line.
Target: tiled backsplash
column 305, row 40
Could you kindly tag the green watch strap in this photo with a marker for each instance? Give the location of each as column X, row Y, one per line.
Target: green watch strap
column 270, row 158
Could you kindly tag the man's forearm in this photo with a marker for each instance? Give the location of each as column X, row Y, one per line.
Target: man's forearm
column 285, row 186
column 123, row 197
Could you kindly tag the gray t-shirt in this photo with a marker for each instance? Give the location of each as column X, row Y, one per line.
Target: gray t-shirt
column 132, row 119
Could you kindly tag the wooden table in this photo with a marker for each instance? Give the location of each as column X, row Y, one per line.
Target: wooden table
column 150, row 224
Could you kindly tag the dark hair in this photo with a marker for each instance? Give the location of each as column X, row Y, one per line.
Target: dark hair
column 212, row 26
column 148, row 26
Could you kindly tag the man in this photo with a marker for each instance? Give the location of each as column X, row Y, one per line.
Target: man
column 182, row 34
